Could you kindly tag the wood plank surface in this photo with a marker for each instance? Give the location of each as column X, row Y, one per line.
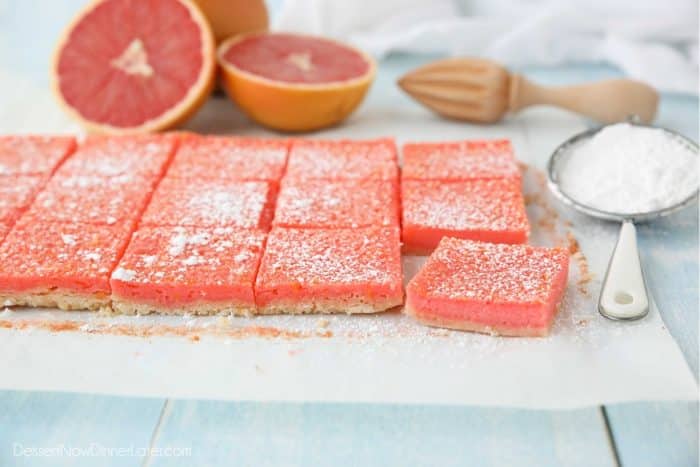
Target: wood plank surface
column 60, row 429
column 308, row 435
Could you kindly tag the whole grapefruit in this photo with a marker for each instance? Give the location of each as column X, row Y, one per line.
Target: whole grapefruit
column 230, row 17
column 294, row 82
column 127, row 66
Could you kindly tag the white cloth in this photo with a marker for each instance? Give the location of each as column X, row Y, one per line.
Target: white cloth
column 651, row 40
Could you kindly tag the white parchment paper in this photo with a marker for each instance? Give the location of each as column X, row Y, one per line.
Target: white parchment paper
column 587, row 360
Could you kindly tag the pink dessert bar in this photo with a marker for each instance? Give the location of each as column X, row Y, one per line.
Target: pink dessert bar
column 177, row 270
column 343, row 159
column 230, row 158
column 486, row 210
column 459, row 160
column 337, row 204
column 64, row 265
column 511, row 290
column 211, row 203
column 330, row 271
column 32, row 154
column 92, row 199
column 109, row 156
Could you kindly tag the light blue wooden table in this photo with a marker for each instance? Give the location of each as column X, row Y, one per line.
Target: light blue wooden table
column 223, row 433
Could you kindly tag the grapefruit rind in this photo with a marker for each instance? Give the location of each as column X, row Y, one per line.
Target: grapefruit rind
column 293, row 107
column 231, row 17
column 193, row 100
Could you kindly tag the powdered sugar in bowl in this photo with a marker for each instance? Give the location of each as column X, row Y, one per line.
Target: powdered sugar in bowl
column 625, row 172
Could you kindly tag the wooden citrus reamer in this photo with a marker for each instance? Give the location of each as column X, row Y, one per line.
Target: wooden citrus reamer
column 482, row 91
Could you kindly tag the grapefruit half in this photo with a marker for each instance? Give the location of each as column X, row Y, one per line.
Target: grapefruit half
column 128, row 66
column 294, row 82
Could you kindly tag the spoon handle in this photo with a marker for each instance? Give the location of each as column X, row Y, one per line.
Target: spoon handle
column 624, row 293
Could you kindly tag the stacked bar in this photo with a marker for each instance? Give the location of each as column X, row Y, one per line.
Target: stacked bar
column 467, row 189
column 465, row 199
column 63, row 249
column 335, row 244
column 199, row 243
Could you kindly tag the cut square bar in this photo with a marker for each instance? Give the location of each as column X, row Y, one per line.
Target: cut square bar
column 230, row 158
column 32, row 154
column 330, row 271
column 511, row 290
column 343, row 160
column 92, row 199
column 178, row 270
column 459, row 160
column 64, row 265
column 211, row 203
column 337, row 204
column 110, row 156
column 485, row 210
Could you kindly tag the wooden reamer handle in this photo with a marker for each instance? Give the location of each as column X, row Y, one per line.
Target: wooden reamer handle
column 606, row 101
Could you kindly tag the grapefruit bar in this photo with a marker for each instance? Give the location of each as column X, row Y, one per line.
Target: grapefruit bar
column 510, row 290
column 486, row 210
column 459, row 160
column 64, row 265
column 337, row 204
column 230, row 158
column 177, row 270
column 16, row 193
column 330, row 271
column 343, row 160
column 92, row 199
column 109, row 156
column 37, row 155
column 211, row 203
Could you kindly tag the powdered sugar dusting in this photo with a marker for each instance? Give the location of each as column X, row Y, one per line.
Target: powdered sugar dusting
column 32, row 154
column 62, row 253
column 180, row 239
column 123, row 274
column 491, row 273
column 227, row 157
column 357, row 256
column 463, row 160
column 68, row 239
column 91, row 198
column 478, row 204
column 193, row 256
column 16, row 193
column 111, row 156
column 320, row 203
column 210, row 203
column 343, row 159
column 92, row 255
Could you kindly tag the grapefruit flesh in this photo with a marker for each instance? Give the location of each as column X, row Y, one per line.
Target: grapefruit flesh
column 294, row 82
column 135, row 65
column 296, row 59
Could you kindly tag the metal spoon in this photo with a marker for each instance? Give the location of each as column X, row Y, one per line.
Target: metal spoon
column 623, row 295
